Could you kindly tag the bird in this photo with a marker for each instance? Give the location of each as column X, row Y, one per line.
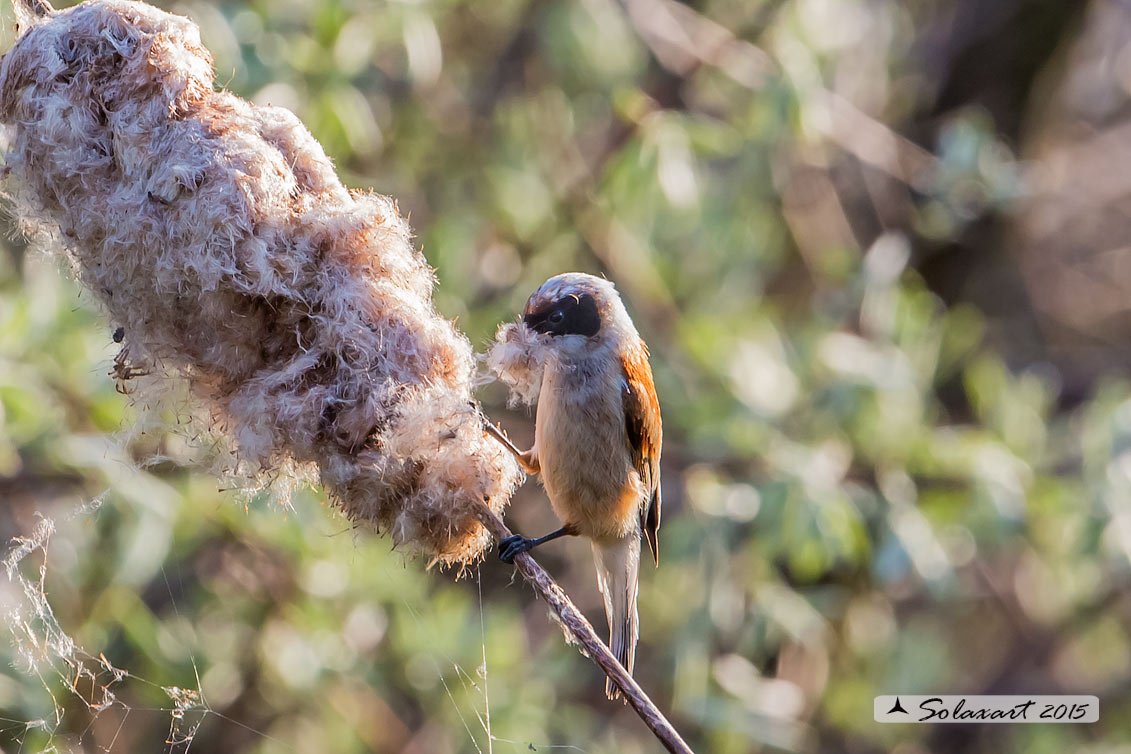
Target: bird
column 597, row 441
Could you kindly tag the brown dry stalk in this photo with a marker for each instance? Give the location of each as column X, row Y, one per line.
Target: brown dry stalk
column 581, row 632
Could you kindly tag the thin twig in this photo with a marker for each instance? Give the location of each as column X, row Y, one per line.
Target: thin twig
column 581, row 630
column 499, row 435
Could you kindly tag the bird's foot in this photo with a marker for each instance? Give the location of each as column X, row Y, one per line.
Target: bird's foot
column 510, row 547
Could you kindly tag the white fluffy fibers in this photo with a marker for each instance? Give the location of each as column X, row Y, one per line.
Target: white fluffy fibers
column 219, row 236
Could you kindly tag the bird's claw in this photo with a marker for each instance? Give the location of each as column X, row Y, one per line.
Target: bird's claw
column 510, row 547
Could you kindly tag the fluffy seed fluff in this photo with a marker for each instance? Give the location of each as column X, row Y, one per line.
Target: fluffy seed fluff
column 518, row 359
column 219, row 236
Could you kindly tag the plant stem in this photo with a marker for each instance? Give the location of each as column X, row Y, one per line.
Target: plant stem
column 581, row 630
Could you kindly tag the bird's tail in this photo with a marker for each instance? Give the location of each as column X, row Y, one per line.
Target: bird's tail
column 617, row 567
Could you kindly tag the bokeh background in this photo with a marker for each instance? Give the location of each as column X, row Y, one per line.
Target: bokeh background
column 879, row 249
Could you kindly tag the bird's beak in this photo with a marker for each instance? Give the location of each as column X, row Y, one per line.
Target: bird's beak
column 536, row 321
column 534, row 315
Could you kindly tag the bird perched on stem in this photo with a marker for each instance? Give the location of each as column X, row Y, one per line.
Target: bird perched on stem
column 597, row 440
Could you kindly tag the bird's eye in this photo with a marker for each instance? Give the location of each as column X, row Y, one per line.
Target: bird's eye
column 556, row 317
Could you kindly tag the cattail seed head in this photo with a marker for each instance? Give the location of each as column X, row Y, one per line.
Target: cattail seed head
column 218, row 235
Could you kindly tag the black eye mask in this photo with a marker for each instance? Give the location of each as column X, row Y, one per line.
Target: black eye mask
column 572, row 315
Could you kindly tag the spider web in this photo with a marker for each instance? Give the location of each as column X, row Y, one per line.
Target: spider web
column 45, row 651
column 68, row 673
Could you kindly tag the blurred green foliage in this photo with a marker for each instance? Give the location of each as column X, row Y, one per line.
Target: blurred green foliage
column 864, row 495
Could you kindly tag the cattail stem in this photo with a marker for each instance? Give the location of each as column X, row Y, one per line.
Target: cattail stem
column 581, row 630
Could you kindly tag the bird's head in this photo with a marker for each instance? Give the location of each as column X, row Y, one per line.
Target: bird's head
column 580, row 313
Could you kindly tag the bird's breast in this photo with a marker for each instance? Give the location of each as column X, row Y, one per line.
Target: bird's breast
column 580, row 441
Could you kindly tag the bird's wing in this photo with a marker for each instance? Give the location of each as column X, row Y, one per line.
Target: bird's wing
column 645, row 436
